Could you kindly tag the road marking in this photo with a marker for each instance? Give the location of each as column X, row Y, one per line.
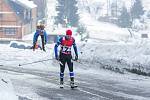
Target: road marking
column 90, row 93
column 93, row 94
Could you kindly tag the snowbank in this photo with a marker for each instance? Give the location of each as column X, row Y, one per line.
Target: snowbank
column 117, row 55
column 20, row 45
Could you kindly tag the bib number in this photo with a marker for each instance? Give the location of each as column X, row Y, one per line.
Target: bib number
column 66, row 49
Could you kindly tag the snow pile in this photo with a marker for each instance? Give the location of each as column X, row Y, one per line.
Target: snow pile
column 117, row 55
column 20, row 45
column 14, row 56
column 6, row 89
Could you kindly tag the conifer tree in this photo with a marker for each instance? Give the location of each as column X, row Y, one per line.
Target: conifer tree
column 124, row 19
column 137, row 9
column 67, row 9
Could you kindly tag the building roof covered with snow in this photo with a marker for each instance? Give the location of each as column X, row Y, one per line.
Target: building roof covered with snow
column 25, row 3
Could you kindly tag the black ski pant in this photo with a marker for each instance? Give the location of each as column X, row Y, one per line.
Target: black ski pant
column 43, row 44
column 66, row 58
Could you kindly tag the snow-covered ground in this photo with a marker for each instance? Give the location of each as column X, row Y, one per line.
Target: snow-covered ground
column 111, row 46
column 95, row 51
column 12, row 57
column 101, row 30
column 6, row 88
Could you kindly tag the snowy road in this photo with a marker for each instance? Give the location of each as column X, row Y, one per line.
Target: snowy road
column 31, row 84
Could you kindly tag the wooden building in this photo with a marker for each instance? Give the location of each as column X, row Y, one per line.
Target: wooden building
column 17, row 18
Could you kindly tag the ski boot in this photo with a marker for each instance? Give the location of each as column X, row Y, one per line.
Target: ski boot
column 44, row 49
column 61, row 84
column 72, row 85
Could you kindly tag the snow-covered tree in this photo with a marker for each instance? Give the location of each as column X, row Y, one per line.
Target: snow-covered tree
column 67, row 12
column 82, row 31
column 137, row 9
column 114, row 9
column 124, row 18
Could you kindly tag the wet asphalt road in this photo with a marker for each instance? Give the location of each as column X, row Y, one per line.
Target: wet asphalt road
column 34, row 84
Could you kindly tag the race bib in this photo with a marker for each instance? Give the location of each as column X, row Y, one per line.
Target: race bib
column 66, row 49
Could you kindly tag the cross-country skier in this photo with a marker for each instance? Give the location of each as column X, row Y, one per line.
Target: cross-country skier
column 40, row 31
column 65, row 56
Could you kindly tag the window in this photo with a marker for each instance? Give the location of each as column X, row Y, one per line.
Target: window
column 1, row 15
column 10, row 31
column 27, row 16
column 1, row 29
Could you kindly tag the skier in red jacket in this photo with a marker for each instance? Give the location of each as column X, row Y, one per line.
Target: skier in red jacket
column 65, row 56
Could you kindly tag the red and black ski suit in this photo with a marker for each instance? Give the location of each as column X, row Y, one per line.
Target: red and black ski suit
column 65, row 55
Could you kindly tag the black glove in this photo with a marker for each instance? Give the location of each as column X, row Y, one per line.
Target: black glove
column 76, row 58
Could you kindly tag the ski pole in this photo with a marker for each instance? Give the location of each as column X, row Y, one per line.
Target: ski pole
column 34, row 62
column 60, row 62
